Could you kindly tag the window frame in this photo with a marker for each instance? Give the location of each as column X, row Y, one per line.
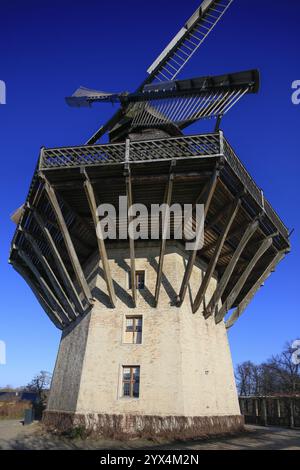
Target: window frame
column 137, row 273
column 130, row 381
column 134, row 331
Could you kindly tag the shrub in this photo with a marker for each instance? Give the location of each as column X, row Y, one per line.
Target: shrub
column 13, row 409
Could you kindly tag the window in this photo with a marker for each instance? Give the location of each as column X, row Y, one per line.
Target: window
column 133, row 330
column 139, row 280
column 131, row 381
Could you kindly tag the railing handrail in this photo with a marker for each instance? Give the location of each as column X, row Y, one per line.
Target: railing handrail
column 250, row 184
column 199, row 145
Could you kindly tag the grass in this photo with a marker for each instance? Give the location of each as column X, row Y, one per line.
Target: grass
column 13, row 409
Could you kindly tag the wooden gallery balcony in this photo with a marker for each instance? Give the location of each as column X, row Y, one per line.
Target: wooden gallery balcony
column 55, row 236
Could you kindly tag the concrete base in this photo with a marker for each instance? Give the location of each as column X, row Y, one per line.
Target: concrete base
column 129, row 426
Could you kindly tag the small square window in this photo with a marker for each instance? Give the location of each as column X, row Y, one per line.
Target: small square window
column 139, row 280
column 131, row 381
column 133, row 330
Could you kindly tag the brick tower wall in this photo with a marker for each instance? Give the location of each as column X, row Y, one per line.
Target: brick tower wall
column 187, row 384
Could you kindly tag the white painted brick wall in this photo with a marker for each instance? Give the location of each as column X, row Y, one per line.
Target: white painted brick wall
column 185, row 361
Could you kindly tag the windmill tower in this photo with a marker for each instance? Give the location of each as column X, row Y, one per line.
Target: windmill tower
column 144, row 346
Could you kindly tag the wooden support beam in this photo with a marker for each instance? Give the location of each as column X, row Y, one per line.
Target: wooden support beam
column 79, row 219
column 51, row 298
column 89, row 191
column 52, row 223
column 233, row 233
column 128, row 183
column 214, row 259
column 256, row 286
column 264, row 246
column 163, row 243
column 215, row 219
column 51, row 275
column 83, row 246
column 248, row 232
column 212, row 245
column 52, row 314
column 208, row 190
column 68, row 283
column 68, row 241
column 198, row 200
column 140, row 179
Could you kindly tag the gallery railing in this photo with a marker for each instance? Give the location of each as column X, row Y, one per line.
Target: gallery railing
column 202, row 145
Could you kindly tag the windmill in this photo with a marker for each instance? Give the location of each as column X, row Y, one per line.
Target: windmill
column 144, row 348
column 161, row 101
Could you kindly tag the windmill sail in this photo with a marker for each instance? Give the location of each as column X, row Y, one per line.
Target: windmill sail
column 185, row 101
column 84, row 97
column 176, row 55
column 188, row 40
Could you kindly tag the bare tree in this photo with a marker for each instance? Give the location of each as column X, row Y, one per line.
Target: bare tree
column 287, row 373
column 279, row 374
column 39, row 384
column 247, row 377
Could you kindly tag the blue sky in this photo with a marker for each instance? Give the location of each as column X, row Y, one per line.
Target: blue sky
column 49, row 48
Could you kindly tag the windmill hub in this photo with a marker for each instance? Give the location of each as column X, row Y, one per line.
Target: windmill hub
column 144, row 348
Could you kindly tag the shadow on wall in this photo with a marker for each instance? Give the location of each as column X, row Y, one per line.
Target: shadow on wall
column 123, row 294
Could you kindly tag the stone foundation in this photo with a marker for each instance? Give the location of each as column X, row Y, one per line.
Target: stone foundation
column 130, row 426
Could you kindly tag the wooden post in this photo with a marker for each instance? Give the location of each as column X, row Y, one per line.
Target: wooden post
column 242, row 406
column 100, row 240
column 250, row 230
column 292, row 417
column 278, row 408
column 165, row 223
column 68, row 283
column 214, row 259
column 256, row 407
column 68, row 241
column 247, row 299
column 264, row 246
column 209, row 190
column 128, row 183
column 264, row 412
